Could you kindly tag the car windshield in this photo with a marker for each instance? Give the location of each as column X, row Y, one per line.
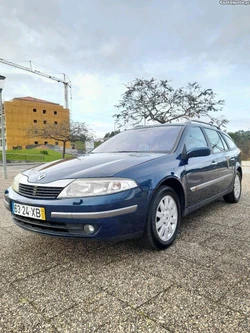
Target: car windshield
column 147, row 139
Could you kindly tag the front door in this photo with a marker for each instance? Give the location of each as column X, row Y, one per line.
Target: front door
column 201, row 172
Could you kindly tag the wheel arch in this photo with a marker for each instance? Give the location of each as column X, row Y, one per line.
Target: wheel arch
column 176, row 185
column 239, row 168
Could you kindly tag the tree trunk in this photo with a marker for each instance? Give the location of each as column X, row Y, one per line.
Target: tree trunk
column 64, row 148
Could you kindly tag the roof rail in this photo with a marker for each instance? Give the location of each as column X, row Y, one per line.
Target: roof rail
column 138, row 126
column 189, row 121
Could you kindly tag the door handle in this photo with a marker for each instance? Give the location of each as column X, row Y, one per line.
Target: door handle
column 214, row 163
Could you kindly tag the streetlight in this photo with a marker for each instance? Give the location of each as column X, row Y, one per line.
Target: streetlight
column 2, row 79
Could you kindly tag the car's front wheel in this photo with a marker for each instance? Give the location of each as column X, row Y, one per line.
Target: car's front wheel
column 163, row 219
column 234, row 196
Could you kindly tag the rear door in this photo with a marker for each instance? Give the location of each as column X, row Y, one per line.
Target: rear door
column 225, row 159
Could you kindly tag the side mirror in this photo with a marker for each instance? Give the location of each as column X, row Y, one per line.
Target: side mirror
column 195, row 152
column 198, row 152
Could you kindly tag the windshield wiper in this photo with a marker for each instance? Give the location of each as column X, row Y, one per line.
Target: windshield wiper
column 126, row 151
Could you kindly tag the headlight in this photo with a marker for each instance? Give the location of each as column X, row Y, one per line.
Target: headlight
column 96, row 186
column 15, row 182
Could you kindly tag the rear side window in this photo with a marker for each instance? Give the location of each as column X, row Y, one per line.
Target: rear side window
column 229, row 141
column 226, row 145
column 195, row 139
column 215, row 140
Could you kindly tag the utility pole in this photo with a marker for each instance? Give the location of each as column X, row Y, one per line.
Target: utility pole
column 2, row 79
column 67, row 84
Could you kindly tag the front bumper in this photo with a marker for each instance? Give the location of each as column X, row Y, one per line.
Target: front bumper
column 112, row 216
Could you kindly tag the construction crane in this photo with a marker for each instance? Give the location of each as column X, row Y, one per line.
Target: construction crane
column 67, row 84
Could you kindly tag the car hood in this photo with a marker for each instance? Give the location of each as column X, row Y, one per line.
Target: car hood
column 90, row 166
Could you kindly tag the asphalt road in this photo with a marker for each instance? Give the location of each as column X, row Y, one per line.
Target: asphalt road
column 200, row 284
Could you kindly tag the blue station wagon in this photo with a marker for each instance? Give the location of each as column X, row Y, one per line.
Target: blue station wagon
column 139, row 183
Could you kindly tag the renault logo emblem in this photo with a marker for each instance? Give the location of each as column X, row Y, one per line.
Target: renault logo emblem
column 41, row 176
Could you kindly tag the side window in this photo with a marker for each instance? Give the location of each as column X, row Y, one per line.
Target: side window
column 216, row 142
column 229, row 141
column 195, row 139
column 226, row 145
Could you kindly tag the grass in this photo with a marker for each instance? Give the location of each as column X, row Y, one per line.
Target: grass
column 33, row 155
column 79, row 145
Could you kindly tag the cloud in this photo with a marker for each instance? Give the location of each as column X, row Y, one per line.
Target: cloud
column 236, row 124
column 94, row 99
column 101, row 45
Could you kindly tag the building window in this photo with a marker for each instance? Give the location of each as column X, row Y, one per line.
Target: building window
column 36, row 142
column 55, row 122
column 55, row 112
column 56, row 143
column 44, row 111
column 34, row 110
column 34, row 121
column 45, row 142
column 45, row 121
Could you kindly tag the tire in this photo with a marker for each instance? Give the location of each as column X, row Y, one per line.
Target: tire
column 163, row 219
column 234, row 196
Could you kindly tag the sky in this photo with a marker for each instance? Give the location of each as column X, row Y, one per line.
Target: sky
column 101, row 45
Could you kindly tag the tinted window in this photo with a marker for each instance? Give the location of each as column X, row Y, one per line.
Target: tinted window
column 229, row 141
column 215, row 139
column 195, row 139
column 144, row 139
column 226, row 145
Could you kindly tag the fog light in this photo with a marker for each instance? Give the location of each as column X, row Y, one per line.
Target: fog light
column 89, row 229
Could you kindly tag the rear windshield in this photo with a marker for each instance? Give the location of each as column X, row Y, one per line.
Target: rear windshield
column 150, row 139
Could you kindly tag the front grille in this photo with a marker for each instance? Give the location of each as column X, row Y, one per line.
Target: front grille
column 34, row 191
column 40, row 225
column 51, row 228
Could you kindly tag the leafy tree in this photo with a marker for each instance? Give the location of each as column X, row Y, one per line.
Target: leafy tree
column 62, row 132
column 242, row 140
column 109, row 135
column 160, row 102
column 97, row 143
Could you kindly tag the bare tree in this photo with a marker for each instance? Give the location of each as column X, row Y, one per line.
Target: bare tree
column 160, row 102
column 62, row 132
column 79, row 131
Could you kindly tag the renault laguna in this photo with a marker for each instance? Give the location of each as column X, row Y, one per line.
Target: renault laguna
column 139, row 183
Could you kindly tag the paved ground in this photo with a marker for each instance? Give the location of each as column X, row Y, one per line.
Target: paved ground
column 200, row 284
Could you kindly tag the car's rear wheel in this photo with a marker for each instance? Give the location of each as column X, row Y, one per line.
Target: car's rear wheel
column 234, row 196
column 163, row 219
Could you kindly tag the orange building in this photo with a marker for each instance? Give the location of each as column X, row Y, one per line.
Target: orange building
column 25, row 112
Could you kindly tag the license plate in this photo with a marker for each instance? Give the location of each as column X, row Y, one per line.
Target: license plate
column 28, row 211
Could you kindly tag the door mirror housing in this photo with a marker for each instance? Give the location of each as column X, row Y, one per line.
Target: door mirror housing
column 195, row 152
column 198, row 152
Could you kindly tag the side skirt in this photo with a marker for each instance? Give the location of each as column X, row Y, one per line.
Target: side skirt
column 191, row 209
